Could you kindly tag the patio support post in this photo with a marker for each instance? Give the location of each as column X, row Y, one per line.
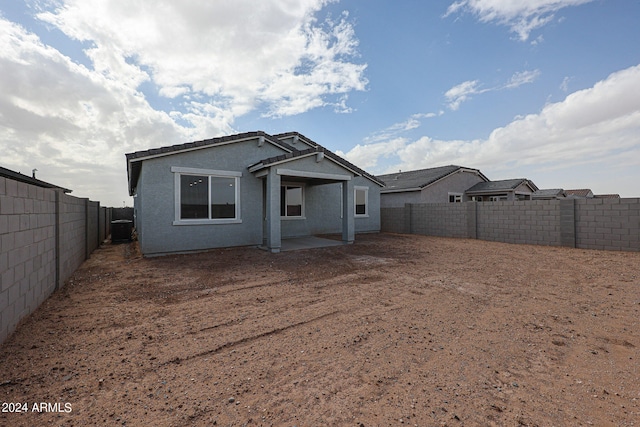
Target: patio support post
column 274, row 241
column 348, row 222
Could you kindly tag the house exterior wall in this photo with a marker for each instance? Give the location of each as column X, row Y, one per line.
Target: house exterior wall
column 398, row 200
column 155, row 200
column 323, row 207
column 437, row 192
column 520, row 189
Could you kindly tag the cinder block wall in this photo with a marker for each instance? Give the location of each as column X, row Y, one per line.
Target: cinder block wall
column 439, row 219
column 611, row 224
column 44, row 238
column 93, row 226
column 524, row 222
column 27, row 250
column 392, row 220
column 72, row 244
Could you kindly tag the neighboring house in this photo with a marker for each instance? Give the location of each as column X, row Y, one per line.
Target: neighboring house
column 548, row 194
column 507, row 189
column 434, row 185
column 247, row 189
column 584, row 193
column 588, row 194
column 17, row 176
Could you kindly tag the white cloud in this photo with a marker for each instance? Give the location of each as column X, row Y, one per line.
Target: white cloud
column 461, row 93
column 214, row 61
column 72, row 124
column 385, row 143
column 521, row 78
column 367, row 156
column 521, row 16
column 242, row 54
column 397, row 129
column 464, row 91
column 592, row 128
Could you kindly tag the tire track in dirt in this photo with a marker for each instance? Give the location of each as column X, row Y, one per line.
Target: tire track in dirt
column 246, row 340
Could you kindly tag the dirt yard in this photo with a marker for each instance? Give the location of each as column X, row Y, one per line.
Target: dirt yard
column 393, row 330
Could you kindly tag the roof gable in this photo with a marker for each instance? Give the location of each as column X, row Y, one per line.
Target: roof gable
column 584, row 192
column 548, row 193
column 314, row 148
column 207, row 143
column 502, row 185
column 290, row 151
column 419, row 179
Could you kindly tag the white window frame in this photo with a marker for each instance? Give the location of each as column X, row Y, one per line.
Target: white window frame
column 302, row 212
column 209, row 173
column 366, row 201
column 457, row 197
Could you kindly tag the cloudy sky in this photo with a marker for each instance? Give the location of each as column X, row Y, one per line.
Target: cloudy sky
column 543, row 89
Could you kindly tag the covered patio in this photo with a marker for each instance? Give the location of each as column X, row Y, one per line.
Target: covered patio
column 274, row 178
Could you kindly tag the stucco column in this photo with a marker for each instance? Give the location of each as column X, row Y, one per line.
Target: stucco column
column 348, row 206
column 272, row 196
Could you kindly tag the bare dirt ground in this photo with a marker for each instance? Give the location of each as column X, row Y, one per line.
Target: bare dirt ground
column 393, row 330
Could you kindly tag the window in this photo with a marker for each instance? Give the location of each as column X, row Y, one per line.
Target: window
column 455, row 198
column 291, row 201
column 206, row 197
column 194, row 197
column 499, row 198
column 362, row 201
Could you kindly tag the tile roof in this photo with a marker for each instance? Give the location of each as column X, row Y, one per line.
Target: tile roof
column 17, row 176
column 584, row 192
column 135, row 159
column 204, row 143
column 548, row 192
column 314, row 148
column 502, row 185
column 418, row 179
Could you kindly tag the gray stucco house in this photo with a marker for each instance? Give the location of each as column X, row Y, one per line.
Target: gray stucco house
column 433, row 185
column 506, row 189
column 247, row 189
column 450, row 184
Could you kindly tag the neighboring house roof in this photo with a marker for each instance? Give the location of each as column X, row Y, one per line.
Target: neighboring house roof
column 17, row 176
column 585, row 192
column 502, row 185
column 135, row 159
column 419, row 179
column 606, row 196
column 548, row 193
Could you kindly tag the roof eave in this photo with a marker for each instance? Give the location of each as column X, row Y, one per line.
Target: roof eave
column 400, row 190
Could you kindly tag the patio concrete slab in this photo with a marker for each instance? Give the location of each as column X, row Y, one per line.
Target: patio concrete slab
column 308, row 242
